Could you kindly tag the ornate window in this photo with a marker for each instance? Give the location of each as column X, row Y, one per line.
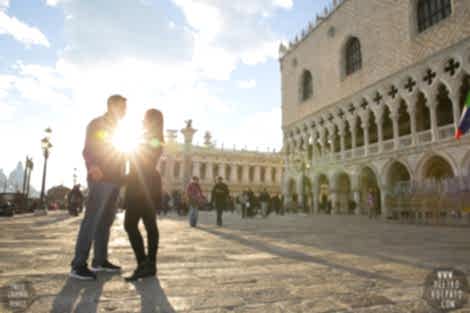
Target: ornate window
column 306, row 87
column 353, row 56
column 431, row 12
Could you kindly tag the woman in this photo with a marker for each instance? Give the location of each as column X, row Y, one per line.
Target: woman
column 143, row 196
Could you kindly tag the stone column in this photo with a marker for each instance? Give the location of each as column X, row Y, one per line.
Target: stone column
column 334, row 201
column 396, row 134
column 314, row 142
column 352, row 127
column 196, row 169
column 188, row 133
column 233, row 173
column 365, row 127
column 341, row 132
column 379, row 121
column 454, row 97
column 357, row 200
column 412, row 112
column 209, row 171
column 300, row 193
column 246, row 173
column 315, row 193
column 432, row 105
column 257, row 177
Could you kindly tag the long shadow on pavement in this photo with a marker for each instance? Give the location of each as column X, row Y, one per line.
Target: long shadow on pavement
column 90, row 292
column 152, row 297
column 298, row 256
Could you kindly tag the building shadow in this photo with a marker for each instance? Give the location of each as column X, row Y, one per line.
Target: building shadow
column 89, row 293
column 152, row 297
column 298, row 256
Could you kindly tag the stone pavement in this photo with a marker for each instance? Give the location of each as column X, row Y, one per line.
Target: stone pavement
column 280, row 264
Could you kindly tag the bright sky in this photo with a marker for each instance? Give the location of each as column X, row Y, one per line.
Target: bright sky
column 214, row 61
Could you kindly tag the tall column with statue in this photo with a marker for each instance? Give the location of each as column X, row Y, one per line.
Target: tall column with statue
column 188, row 133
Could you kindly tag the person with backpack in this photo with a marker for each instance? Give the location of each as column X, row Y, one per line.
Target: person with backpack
column 195, row 199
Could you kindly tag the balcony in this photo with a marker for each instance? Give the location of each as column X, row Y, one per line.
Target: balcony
column 446, row 132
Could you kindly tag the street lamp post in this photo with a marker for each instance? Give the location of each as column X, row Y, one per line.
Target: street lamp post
column 46, row 146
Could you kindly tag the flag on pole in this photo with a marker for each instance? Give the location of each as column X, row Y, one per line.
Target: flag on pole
column 464, row 124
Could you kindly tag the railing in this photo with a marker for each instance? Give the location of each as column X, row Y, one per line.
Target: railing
column 431, row 201
column 425, row 136
column 444, row 132
column 406, row 141
column 389, row 145
column 359, row 152
column 374, row 148
column 447, row 131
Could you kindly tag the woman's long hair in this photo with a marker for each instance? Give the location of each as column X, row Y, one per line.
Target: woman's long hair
column 154, row 124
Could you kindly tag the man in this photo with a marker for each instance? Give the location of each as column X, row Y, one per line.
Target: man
column 74, row 200
column 195, row 199
column 264, row 200
column 220, row 197
column 276, row 204
column 105, row 174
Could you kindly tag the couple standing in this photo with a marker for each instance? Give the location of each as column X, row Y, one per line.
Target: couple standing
column 106, row 175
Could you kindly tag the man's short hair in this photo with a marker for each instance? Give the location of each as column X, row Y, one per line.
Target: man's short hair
column 115, row 99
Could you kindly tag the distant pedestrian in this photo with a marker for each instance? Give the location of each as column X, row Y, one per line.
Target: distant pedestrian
column 371, row 204
column 219, row 198
column 264, row 200
column 195, row 199
column 276, row 204
column 75, row 200
column 166, row 203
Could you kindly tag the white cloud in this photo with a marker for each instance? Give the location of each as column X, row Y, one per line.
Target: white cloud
column 53, row 3
column 4, row 4
column 249, row 133
column 247, row 84
column 28, row 35
column 228, row 32
column 155, row 62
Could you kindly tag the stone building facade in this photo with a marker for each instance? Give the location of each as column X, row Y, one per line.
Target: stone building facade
column 241, row 169
column 372, row 92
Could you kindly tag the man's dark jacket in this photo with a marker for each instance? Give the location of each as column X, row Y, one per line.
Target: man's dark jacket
column 220, row 194
column 99, row 150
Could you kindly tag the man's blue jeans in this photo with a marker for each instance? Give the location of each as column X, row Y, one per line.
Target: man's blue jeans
column 96, row 224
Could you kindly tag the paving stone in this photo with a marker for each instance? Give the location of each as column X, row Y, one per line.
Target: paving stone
column 281, row 264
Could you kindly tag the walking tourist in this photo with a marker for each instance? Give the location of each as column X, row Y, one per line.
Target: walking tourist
column 371, row 204
column 144, row 196
column 105, row 167
column 75, row 200
column 264, row 200
column 219, row 198
column 195, row 199
column 276, row 204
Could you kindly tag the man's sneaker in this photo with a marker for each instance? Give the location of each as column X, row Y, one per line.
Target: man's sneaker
column 106, row 267
column 82, row 273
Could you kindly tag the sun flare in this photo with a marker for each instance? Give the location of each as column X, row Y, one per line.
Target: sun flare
column 127, row 136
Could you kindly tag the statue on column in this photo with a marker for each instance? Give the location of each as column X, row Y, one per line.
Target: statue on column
column 188, row 133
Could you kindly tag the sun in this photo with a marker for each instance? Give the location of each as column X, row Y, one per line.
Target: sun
column 127, row 136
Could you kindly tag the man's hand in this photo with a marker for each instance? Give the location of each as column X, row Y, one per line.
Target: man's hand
column 95, row 173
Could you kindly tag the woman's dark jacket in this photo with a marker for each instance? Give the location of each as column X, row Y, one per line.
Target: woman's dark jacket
column 144, row 183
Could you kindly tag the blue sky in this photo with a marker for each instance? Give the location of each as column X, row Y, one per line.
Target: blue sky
column 214, row 61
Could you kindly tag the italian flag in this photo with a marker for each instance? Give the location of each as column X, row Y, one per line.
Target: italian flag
column 464, row 124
